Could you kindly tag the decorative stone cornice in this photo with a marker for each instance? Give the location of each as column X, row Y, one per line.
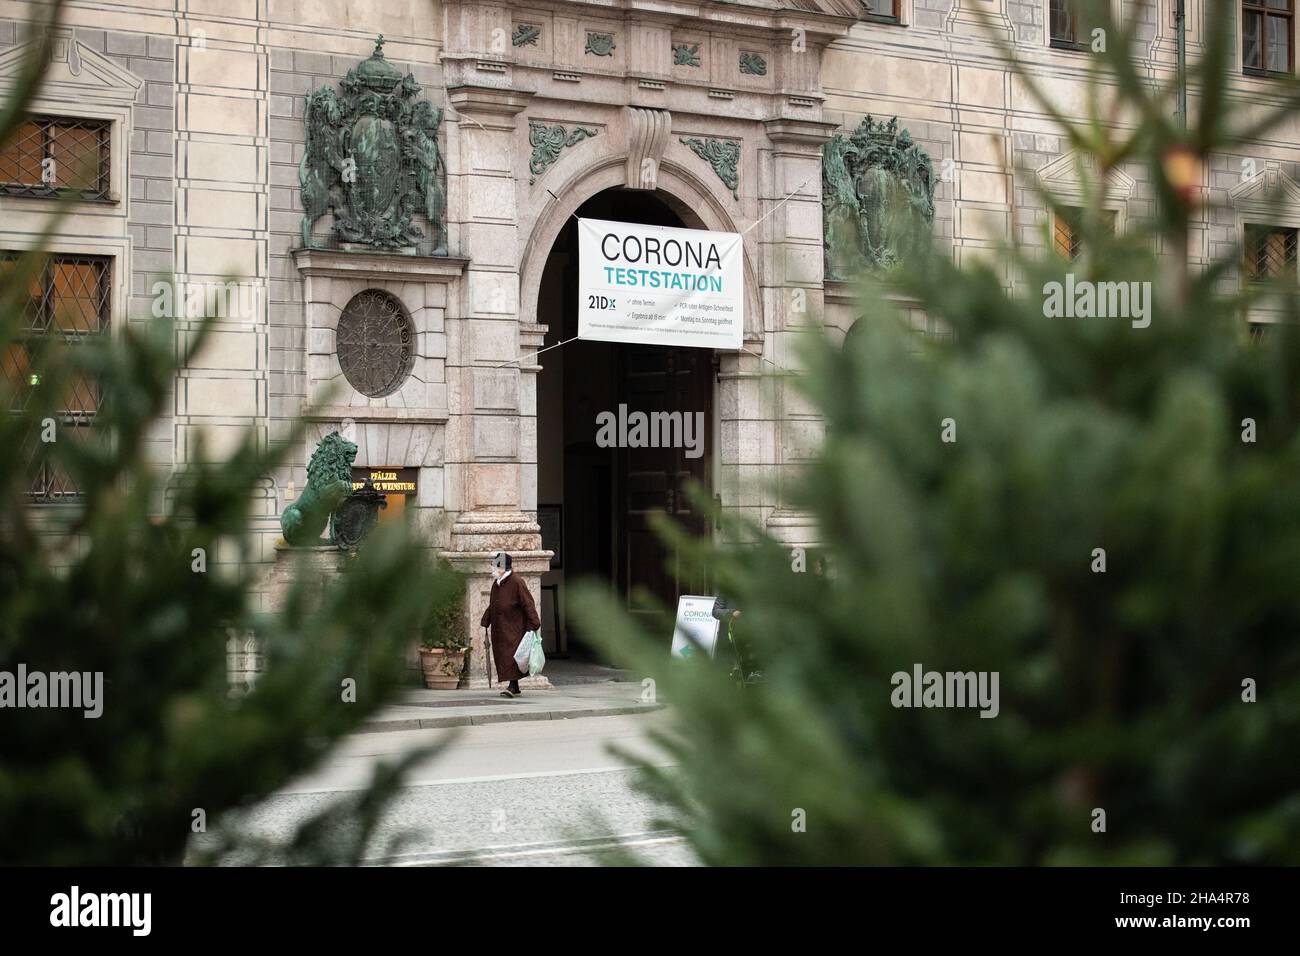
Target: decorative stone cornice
column 598, row 52
column 488, row 531
column 1072, row 175
column 1269, row 196
column 821, row 20
column 796, row 132
column 336, row 264
column 390, row 415
column 75, row 71
column 523, row 562
column 796, row 529
column 489, row 100
column 532, row 337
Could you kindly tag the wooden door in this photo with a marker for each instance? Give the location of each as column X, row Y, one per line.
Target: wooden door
column 653, row 480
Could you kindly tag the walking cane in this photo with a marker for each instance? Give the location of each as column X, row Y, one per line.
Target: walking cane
column 487, row 656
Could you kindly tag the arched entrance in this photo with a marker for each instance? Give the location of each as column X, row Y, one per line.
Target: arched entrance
column 606, row 495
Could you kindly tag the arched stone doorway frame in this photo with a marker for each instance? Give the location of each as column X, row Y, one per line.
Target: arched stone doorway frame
column 694, row 201
column 689, row 196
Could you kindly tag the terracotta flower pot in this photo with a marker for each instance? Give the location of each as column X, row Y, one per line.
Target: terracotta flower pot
column 441, row 667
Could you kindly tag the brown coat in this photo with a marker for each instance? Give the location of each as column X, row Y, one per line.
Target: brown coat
column 510, row 613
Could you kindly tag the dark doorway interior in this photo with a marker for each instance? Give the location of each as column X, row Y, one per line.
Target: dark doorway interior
column 608, row 494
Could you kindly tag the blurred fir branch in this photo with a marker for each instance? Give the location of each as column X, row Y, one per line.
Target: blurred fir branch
column 1120, row 690
column 110, row 584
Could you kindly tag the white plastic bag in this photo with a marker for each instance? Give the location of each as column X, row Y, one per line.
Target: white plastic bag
column 536, row 659
column 524, row 652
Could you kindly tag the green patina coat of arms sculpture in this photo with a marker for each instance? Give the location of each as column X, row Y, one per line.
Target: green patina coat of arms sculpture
column 372, row 158
column 877, row 198
column 329, row 481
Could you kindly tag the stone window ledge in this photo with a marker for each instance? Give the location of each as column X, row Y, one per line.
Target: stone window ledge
column 360, row 413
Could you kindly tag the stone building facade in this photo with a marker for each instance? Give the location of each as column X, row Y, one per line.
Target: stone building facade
column 700, row 114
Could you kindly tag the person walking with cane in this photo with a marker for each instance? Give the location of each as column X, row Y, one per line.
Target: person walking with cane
column 510, row 614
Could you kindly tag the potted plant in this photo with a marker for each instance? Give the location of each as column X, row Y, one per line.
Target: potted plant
column 444, row 642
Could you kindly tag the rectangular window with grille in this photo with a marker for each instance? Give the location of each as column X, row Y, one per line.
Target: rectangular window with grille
column 1068, row 236
column 1063, row 24
column 67, row 304
column 1268, row 36
column 1270, row 253
column 57, row 156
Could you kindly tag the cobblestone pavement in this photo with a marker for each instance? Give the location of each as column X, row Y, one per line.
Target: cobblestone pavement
column 533, row 794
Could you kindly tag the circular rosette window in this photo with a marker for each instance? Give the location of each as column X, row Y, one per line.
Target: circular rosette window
column 375, row 341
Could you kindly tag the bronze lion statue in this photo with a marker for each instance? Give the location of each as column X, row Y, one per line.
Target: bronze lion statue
column 329, row 481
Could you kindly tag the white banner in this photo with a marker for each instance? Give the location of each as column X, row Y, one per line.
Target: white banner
column 657, row 285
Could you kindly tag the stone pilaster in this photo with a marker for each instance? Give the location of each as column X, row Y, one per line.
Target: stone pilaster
column 487, row 435
column 788, row 432
column 221, row 235
column 492, row 429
